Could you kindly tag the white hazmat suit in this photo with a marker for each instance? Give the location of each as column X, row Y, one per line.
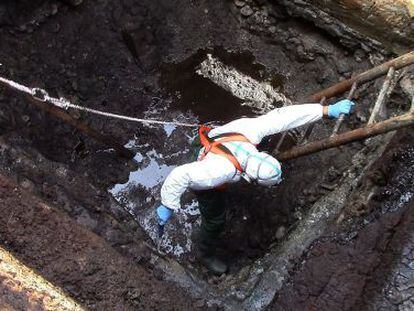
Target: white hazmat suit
column 215, row 170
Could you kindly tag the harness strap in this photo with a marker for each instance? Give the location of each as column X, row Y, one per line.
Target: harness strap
column 216, row 146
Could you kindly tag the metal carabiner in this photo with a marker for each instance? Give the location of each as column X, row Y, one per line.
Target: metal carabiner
column 39, row 94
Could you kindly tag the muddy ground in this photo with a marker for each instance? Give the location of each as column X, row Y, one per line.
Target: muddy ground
column 139, row 58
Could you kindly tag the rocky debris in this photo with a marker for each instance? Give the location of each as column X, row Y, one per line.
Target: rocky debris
column 259, row 95
column 239, row 3
column 407, row 85
column 345, row 34
column 246, row 11
column 264, row 18
column 280, row 233
column 360, row 202
column 389, row 22
column 361, row 116
column 359, row 55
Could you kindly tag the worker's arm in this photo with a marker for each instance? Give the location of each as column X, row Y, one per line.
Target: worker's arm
column 212, row 172
column 173, row 188
column 282, row 119
column 286, row 118
column 175, row 185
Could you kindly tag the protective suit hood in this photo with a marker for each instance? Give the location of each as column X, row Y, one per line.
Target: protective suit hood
column 263, row 168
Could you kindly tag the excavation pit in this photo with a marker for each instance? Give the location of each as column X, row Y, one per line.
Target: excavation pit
column 260, row 222
column 145, row 59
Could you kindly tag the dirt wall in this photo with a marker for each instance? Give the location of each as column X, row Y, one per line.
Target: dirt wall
column 75, row 259
column 388, row 21
column 366, row 265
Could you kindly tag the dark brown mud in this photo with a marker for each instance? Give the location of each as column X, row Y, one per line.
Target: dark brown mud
column 366, row 265
column 76, row 260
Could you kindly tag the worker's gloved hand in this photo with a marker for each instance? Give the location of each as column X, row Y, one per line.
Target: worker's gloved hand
column 163, row 214
column 342, row 107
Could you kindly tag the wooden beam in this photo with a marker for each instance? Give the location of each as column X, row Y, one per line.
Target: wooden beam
column 342, row 116
column 310, row 127
column 61, row 114
column 82, row 127
column 349, row 137
column 382, row 96
column 371, row 74
column 412, row 104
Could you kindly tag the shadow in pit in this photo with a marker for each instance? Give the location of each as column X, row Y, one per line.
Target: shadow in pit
column 210, row 102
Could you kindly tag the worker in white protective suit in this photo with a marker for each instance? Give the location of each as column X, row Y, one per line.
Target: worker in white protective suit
column 227, row 154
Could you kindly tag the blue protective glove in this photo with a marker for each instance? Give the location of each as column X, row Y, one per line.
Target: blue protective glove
column 342, row 107
column 163, row 214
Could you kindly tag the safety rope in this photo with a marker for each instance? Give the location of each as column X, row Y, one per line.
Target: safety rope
column 41, row 95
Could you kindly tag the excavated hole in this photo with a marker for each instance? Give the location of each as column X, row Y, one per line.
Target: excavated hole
column 257, row 218
column 143, row 69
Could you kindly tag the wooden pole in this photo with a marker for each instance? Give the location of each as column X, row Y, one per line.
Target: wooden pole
column 382, row 96
column 378, row 71
column 412, row 105
column 82, row 126
column 348, row 137
column 310, row 127
column 67, row 118
column 342, row 116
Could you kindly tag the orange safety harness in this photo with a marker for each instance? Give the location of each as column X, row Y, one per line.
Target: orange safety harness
column 216, row 146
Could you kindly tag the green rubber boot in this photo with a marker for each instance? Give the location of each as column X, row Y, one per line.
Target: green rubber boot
column 206, row 254
column 213, row 264
column 213, row 218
